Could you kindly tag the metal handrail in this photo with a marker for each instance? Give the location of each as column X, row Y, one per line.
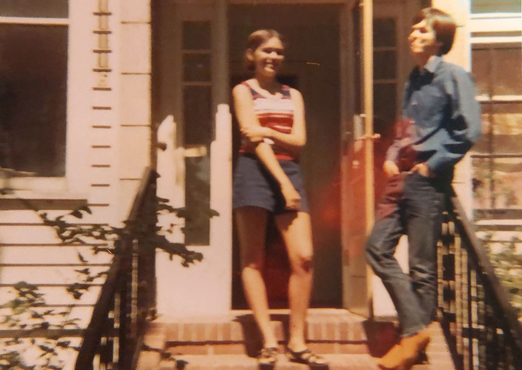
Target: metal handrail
column 480, row 324
column 117, row 320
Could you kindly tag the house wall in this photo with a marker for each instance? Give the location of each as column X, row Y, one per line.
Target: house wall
column 109, row 144
column 108, row 147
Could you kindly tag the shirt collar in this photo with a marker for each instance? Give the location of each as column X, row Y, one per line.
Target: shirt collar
column 433, row 63
column 430, row 67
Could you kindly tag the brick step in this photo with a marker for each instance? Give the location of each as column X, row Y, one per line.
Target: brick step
column 243, row 362
column 210, row 349
column 321, row 324
column 334, row 331
column 227, row 354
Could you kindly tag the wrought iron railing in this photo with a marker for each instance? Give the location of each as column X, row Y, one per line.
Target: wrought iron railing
column 480, row 325
column 113, row 338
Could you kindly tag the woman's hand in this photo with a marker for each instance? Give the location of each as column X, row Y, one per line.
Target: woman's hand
column 390, row 168
column 292, row 197
column 255, row 134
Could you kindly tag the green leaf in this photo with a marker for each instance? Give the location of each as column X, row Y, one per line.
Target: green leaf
column 46, row 349
column 76, row 214
column 81, row 258
column 86, row 209
column 85, row 271
column 63, row 344
column 45, row 325
column 162, row 200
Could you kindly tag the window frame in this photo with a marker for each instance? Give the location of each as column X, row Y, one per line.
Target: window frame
column 74, row 183
column 491, row 30
column 488, row 13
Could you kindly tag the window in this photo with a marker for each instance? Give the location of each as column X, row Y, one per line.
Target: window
column 385, row 70
column 496, row 6
column 497, row 157
column 33, row 85
column 197, row 128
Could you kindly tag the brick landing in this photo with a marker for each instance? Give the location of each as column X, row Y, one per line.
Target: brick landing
column 327, row 331
column 232, row 342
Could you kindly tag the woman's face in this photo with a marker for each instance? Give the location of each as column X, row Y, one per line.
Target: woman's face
column 268, row 57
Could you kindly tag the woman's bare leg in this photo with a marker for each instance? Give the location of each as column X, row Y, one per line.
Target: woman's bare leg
column 296, row 231
column 251, row 226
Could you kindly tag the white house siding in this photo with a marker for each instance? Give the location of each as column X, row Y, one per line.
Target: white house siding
column 108, row 147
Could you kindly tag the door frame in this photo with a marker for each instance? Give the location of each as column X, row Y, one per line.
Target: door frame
column 360, row 302
column 356, row 126
column 347, row 110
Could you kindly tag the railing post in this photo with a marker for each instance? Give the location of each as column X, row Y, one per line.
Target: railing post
column 478, row 321
column 119, row 316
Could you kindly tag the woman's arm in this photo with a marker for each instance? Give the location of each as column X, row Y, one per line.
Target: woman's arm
column 296, row 139
column 247, row 119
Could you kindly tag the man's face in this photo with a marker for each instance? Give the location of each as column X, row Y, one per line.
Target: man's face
column 423, row 40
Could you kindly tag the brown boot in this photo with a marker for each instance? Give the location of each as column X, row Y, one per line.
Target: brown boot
column 412, row 346
column 392, row 359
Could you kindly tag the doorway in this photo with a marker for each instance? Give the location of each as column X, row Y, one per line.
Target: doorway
column 195, row 63
column 311, row 36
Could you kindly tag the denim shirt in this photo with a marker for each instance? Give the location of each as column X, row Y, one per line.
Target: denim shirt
column 441, row 118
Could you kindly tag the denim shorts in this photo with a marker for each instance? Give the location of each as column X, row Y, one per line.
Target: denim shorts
column 255, row 186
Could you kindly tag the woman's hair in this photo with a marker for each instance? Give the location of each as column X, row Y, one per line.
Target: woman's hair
column 255, row 40
column 442, row 24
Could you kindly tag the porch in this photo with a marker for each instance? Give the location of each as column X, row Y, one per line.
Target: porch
column 348, row 341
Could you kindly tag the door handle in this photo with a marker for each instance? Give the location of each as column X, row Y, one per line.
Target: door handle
column 369, row 137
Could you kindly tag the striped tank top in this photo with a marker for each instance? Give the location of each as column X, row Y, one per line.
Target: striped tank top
column 275, row 113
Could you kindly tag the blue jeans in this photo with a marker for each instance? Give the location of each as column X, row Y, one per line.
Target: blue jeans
column 412, row 205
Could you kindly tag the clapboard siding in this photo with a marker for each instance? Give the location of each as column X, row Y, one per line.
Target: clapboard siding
column 25, row 216
column 114, row 120
column 58, row 295
column 11, row 234
column 14, row 217
column 68, row 254
column 46, row 274
column 101, row 175
column 100, row 156
column 101, row 195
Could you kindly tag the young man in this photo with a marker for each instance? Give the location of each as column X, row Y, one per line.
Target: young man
column 441, row 121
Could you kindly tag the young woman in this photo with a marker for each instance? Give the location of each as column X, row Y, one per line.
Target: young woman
column 268, row 181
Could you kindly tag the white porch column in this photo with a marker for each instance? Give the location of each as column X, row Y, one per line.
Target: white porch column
column 204, row 289
column 221, row 165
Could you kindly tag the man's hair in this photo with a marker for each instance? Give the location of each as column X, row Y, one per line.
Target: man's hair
column 255, row 40
column 442, row 24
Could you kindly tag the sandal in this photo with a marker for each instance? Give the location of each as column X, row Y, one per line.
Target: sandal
column 267, row 356
column 306, row 357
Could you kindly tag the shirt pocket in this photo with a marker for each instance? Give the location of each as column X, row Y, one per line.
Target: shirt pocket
column 431, row 104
